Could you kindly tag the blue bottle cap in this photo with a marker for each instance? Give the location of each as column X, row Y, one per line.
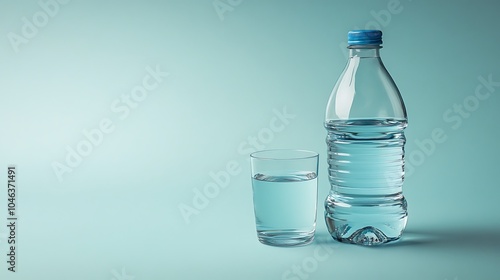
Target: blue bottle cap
column 364, row 37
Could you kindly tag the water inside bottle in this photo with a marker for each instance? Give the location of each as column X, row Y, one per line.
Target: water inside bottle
column 366, row 171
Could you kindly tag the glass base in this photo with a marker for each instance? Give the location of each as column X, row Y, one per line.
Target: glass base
column 285, row 238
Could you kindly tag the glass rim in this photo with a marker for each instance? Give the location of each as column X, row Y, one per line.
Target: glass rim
column 306, row 154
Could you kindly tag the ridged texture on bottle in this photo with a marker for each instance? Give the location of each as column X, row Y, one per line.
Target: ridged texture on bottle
column 366, row 171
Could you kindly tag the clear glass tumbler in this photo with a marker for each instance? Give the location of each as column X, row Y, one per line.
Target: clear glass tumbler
column 285, row 194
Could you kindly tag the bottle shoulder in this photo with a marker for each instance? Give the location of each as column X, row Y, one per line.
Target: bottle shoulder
column 365, row 90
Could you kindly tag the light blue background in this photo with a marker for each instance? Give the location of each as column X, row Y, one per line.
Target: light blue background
column 117, row 213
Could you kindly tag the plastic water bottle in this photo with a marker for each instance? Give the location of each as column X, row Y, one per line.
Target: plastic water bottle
column 365, row 119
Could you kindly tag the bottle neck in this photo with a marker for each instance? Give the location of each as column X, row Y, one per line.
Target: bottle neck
column 369, row 51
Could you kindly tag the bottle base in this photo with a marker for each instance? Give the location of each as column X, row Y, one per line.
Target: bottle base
column 366, row 235
column 376, row 221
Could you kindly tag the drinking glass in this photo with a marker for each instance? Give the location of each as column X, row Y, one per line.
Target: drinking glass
column 285, row 194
